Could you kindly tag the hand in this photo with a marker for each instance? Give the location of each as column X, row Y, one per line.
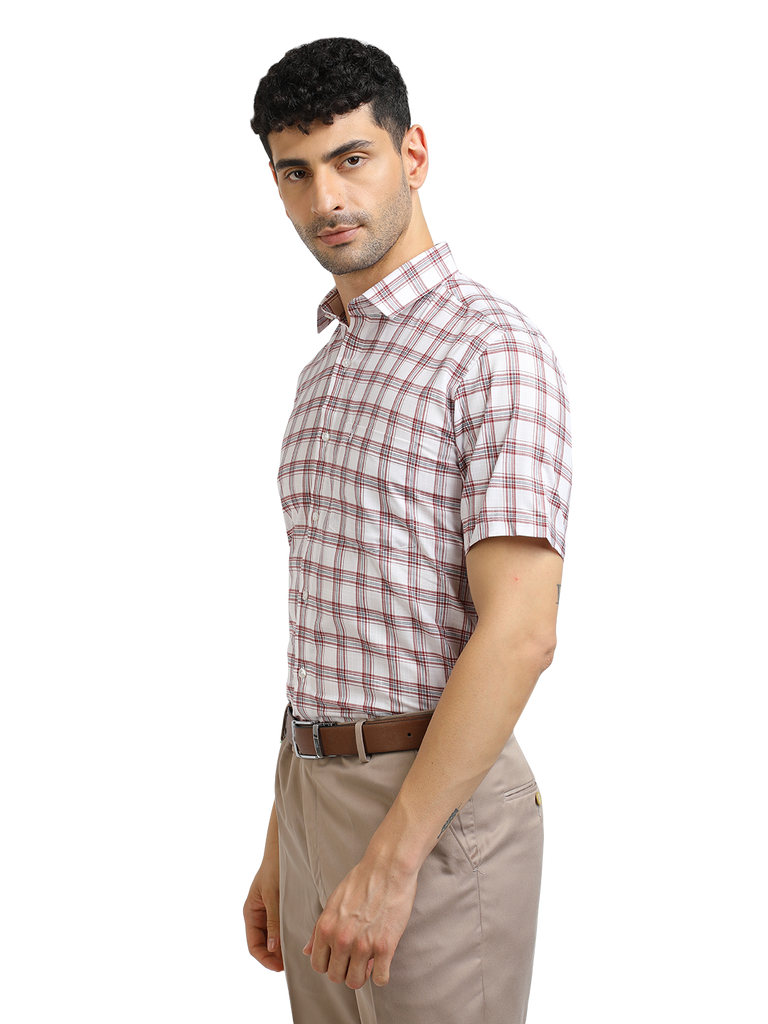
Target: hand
column 262, row 913
column 357, row 933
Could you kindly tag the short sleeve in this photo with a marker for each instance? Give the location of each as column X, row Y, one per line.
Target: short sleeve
column 512, row 432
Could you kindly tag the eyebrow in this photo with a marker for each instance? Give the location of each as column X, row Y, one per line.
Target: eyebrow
column 345, row 147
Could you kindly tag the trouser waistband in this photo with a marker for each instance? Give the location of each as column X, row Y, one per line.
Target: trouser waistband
column 364, row 737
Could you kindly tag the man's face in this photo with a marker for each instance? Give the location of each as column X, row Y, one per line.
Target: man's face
column 344, row 189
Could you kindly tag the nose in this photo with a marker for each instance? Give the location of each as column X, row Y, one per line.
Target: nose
column 327, row 195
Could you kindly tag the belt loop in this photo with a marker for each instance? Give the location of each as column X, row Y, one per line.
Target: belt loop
column 284, row 730
column 362, row 753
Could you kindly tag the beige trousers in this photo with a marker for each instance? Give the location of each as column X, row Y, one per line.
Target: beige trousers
column 466, row 955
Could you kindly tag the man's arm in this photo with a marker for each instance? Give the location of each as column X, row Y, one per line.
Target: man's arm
column 514, row 586
column 514, row 582
column 262, row 906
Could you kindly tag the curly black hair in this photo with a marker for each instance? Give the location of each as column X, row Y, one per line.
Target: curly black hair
column 320, row 80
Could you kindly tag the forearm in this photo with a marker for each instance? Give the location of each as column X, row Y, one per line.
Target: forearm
column 485, row 695
column 271, row 844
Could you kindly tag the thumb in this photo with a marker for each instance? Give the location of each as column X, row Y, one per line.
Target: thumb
column 273, row 926
column 308, row 948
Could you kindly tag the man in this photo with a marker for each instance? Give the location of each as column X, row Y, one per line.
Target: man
column 425, row 479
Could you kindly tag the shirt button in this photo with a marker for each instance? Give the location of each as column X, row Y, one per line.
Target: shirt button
column 304, row 595
column 345, row 362
column 302, row 673
column 315, row 516
column 326, row 435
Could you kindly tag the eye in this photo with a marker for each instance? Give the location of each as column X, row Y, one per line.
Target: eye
column 358, row 161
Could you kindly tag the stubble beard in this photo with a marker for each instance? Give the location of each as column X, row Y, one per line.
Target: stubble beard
column 370, row 245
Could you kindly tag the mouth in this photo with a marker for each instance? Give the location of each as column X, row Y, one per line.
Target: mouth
column 338, row 237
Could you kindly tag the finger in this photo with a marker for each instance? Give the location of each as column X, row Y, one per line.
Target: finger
column 272, row 961
column 380, row 975
column 320, row 955
column 257, row 947
column 320, row 959
column 358, row 971
column 256, row 933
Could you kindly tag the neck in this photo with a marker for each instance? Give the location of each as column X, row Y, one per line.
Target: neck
column 415, row 240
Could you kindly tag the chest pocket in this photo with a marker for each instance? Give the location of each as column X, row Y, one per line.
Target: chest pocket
column 391, row 491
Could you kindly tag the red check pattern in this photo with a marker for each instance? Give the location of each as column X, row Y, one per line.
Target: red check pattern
column 438, row 417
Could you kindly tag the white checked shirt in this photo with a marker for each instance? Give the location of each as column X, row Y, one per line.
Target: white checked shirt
column 436, row 418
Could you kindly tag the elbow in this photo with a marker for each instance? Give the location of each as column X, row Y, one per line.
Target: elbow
column 549, row 658
column 533, row 654
column 529, row 650
column 547, row 654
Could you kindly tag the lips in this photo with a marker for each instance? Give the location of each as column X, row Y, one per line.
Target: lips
column 340, row 236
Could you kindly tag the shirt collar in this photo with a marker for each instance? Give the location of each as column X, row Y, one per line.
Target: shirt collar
column 398, row 290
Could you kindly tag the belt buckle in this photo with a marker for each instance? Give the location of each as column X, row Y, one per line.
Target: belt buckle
column 315, row 726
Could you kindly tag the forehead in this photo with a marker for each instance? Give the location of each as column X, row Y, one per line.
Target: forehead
column 357, row 124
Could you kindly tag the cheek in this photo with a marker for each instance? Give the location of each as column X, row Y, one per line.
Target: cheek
column 292, row 210
column 374, row 195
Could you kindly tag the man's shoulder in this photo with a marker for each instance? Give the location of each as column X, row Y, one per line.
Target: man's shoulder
column 476, row 322
column 486, row 306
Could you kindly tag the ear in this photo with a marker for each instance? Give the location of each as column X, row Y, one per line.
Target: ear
column 415, row 156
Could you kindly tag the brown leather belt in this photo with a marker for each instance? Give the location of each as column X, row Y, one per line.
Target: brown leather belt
column 380, row 735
